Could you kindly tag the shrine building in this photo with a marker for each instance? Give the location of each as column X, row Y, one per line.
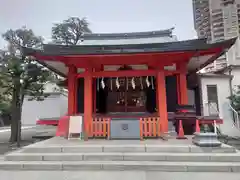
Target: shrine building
column 128, row 89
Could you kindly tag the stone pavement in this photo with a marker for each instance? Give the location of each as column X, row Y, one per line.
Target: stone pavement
column 114, row 175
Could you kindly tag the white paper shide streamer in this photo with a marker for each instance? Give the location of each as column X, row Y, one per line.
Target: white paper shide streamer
column 147, row 82
column 102, row 83
column 152, row 82
column 117, row 83
column 133, row 83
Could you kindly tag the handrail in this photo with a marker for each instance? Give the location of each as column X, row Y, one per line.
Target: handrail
column 217, row 113
column 237, row 121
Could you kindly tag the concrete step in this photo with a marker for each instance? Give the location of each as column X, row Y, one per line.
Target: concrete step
column 120, row 166
column 171, row 157
column 129, row 148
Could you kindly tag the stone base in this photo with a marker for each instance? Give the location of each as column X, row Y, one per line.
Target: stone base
column 206, row 140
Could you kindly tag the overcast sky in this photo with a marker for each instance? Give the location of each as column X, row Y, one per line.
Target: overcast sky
column 103, row 15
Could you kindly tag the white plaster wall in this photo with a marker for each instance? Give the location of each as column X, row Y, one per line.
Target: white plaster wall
column 53, row 106
column 223, row 90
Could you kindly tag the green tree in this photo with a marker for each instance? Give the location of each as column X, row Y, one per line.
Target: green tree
column 23, row 75
column 70, row 31
column 235, row 98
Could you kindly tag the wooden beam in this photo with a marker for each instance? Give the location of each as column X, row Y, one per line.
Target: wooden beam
column 127, row 73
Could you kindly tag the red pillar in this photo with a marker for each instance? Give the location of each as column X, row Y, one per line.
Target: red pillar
column 88, row 102
column 162, row 101
column 182, row 84
column 94, row 94
column 72, row 70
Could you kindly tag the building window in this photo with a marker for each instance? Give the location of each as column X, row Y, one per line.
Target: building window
column 212, row 96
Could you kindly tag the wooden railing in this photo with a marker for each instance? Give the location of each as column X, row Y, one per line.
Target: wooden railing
column 100, row 127
column 150, row 127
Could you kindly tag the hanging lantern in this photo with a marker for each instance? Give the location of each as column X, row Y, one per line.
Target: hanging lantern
column 97, row 84
column 117, row 83
column 133, row 83
column 152, row 82
column 141, row 83
column 102, row 83
column 147, row 82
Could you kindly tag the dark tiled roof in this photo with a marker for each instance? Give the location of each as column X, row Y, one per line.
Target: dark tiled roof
column 189, row 45
column 130, row 35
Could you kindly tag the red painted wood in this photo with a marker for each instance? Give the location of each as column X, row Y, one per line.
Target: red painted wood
column 119, row 59
column 72, row 90
column 63, row 126
column 162, row 101
column 88, row 102
column 127, row 73
column 47, row 122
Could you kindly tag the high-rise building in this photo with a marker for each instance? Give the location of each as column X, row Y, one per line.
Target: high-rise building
column 218, row 20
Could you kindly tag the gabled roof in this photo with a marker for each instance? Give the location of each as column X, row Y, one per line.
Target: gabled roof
column 128, row 35
column 189, row 45
column 199, row 51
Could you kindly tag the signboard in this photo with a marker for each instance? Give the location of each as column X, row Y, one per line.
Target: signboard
column 75, row 125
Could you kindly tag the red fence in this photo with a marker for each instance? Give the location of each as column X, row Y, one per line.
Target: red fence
column 150, row 127
column 100, row 127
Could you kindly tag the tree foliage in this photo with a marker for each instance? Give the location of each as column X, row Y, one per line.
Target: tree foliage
column 235, row 98
column 22, row 75
column 70, row 31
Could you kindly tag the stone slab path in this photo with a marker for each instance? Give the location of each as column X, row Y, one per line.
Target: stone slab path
column 116, row 175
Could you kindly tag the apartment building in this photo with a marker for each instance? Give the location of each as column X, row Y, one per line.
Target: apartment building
column 218, row 20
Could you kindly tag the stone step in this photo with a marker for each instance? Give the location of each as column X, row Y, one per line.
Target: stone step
column 120, row 166
column 171, row 157
column 129, row 148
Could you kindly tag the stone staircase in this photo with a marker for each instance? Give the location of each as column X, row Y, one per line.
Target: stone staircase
column 119, row 156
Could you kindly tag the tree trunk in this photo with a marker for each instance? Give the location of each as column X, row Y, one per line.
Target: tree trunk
column 16, row 112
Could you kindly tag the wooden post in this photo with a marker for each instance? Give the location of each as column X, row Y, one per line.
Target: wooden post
column 88, row 103
column 182, row 84
column 162, row 101
column 72, row 70
column 94, row 95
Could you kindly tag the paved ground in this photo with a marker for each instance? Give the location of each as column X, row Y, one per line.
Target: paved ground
column 27, row 133
column 110, row 175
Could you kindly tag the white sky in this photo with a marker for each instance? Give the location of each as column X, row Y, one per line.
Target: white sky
column 103, row 15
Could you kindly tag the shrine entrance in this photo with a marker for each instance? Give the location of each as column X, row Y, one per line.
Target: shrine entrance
column 126, row 99
column 127, row 94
